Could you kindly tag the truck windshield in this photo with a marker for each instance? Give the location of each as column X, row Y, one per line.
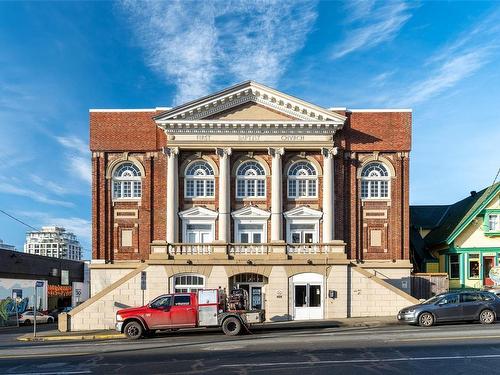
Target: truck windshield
column 161, row 302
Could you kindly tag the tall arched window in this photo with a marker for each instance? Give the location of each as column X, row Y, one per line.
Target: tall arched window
column 375, row 181
column 250, row 180
column 302, row 180
column 199, row 180
column 127, row 181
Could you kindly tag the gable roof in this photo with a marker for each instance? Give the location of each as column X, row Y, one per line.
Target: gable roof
column 243, row 93
column 460, row 214
column 427, row 217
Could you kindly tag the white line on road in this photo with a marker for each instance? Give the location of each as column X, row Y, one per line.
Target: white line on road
column 51, row 373
column 405, row 359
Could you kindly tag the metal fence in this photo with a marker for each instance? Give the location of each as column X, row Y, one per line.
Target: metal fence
column 426, row 285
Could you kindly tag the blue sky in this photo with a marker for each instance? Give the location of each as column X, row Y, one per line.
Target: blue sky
column 59, row 59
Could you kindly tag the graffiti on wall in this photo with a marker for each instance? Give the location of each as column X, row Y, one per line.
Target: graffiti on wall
column 16, row 296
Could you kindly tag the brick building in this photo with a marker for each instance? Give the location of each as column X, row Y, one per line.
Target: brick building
column 305, row 207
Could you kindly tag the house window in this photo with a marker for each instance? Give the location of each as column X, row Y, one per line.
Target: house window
column 188, row 283
column 375, row 181
column 493, row 223
column 473, row 266
column 199, row 180
column 454, row 262
column 302, row 180
column 250, row 180
column 127, row 182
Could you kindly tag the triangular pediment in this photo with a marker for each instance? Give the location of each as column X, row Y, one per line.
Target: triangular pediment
column 303, row 212
column 198, row 212
column 251, row 212
column 251, row 111
column 257, row 98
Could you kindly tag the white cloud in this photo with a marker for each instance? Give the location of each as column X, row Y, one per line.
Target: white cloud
column 9, row 188
column 452, row 71
column 458, row 60
column 198, row 46
column 373, row 23
column 49, row 185
column 78, row 157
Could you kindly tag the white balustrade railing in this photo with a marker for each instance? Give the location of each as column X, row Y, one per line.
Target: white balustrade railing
column 248, row 248
column 307, row 248
column 190, row 249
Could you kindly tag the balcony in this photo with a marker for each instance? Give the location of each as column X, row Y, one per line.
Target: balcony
column 163, row 250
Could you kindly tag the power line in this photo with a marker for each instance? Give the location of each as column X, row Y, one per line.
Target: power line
column 18, row 220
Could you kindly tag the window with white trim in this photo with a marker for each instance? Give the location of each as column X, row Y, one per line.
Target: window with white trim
column 494, row 224
column 375, row 180
column 199, row 181
column 250, row 180
column 127, row 182
column 188, row 283
column 302, row 180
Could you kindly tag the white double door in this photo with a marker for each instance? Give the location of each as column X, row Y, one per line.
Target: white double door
column 307, row 296
column 199, row 233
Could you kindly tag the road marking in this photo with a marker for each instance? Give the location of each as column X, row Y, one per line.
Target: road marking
column 51, row 373
column 449, row 338
column 41, row 355
column 406, row 359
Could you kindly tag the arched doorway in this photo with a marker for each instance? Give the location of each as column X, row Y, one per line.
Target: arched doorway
column 254, row 284
column 307, row 289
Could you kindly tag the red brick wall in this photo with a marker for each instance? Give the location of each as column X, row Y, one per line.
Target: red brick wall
column 388, row 134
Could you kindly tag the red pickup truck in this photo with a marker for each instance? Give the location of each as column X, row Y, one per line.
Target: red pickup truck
column 207, row 308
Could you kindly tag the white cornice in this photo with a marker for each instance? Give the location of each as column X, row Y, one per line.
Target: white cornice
column 250, row 92
column 381, row 110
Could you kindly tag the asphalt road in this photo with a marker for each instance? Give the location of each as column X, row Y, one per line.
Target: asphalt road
column 451, row 349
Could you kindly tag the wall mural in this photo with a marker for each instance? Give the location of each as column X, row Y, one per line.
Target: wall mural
column 17, row 296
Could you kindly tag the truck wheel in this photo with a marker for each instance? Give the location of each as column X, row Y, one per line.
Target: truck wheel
column 133, row 330
column 231, row 326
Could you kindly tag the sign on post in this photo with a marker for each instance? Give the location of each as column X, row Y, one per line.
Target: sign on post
column 38, row 284
column 143, row 284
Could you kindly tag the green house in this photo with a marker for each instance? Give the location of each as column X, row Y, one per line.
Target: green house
column 461, row 239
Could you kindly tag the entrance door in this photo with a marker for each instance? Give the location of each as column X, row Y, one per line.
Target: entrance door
column 250, row 233
column 488, row 264
column 307, row 296
column 302, row 233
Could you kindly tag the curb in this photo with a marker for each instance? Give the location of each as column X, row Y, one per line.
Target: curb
column 72, row 337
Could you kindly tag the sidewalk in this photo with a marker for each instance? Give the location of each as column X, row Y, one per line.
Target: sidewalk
column 370, row 322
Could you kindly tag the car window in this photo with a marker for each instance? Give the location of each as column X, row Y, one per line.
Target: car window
column 182, row 300
column 471, row 297
column 161, row 302
column 487, row 296
column 452, row 298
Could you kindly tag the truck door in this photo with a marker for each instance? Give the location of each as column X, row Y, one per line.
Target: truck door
column 183, row 311
column 158, row 314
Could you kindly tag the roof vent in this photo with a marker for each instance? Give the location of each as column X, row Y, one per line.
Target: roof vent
column 472, row 193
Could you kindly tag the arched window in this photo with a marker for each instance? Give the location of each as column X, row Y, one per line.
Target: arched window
column 127, row 182
column 250, row 180
column 375, row 181
column 199, row 180
column 188, row 283
column 302, row 180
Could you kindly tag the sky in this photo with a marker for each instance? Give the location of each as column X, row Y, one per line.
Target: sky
column 59, row 59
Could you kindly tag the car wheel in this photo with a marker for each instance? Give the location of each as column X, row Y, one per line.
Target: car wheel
column 426, row 319
column 27, row 322
column 50, row 320
column 487, row 317
column 231, row 326
column 133, row 330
